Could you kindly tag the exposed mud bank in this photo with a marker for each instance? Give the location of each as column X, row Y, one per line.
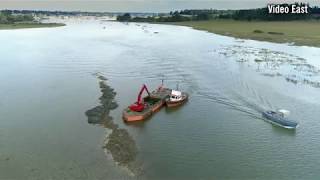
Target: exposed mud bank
column 270, row 63
column 121, row 146
column 119, row 143
column 100, row 113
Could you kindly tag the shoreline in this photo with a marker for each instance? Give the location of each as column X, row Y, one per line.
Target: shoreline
column 29, row 25
column 300, row 33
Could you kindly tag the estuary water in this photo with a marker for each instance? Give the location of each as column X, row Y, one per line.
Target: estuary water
column 47, row 84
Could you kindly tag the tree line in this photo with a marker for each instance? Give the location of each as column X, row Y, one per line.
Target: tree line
column 208, row 14
column 263, row 14
column 9, row 18
column 54, row 13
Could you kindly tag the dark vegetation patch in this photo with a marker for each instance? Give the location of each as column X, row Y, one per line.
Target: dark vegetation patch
column 119, row 143
column 276, row 33
column 258, row 31
column 122, row 146
column 100, row 113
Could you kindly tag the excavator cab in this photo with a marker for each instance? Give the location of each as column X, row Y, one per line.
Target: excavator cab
column 137, row 107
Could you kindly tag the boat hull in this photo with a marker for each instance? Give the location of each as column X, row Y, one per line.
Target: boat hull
column 129, row 117
column 280, row 121
column 158, row 106
column 177, row 103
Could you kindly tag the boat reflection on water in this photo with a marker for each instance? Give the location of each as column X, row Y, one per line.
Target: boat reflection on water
column 282, row 131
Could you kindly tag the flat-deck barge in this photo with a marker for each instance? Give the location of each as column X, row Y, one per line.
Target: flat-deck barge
column 150, row 104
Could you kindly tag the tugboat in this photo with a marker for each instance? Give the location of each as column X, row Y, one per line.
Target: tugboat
column 176, row 98
column 280, row 118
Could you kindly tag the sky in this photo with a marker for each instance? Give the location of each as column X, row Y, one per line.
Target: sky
column 138, row 5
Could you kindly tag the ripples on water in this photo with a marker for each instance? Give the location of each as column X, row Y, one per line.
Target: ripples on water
column 217, row 134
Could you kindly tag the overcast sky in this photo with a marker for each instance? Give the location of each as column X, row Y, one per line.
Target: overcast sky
column 137, row 5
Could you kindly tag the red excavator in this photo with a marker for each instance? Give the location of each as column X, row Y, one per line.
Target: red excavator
column 139, row 105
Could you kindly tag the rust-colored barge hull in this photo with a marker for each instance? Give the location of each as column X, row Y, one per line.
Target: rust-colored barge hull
column 154, row 103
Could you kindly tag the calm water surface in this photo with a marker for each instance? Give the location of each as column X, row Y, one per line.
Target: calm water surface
column 46, row 85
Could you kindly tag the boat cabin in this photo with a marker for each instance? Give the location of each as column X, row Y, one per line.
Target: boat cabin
column 283, row 113
column 175, row 96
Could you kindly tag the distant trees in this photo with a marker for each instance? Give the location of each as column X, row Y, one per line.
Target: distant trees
column 8, row 18
column 125, row 17
column 244, row 15
column 173, row 17
column 263, row 14
column 202, row 16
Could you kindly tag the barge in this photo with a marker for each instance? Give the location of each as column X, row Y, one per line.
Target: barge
column 145, row 107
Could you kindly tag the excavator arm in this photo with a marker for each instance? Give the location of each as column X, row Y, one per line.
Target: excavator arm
column 144, row 87
column 139, row 106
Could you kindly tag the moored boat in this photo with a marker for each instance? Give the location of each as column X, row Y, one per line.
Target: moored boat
column 176, row 98
column 279, row 118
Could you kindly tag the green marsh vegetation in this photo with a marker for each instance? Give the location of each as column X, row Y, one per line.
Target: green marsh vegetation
column 9, row 20
column 297, row 32
column 256, row 24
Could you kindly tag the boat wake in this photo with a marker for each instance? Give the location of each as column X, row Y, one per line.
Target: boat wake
column 234, row 105
column 247, row 101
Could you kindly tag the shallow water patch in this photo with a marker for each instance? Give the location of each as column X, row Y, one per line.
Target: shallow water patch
column 272, row 63
column 119, row 143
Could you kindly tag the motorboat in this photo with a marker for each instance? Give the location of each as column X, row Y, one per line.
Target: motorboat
column 280, row 118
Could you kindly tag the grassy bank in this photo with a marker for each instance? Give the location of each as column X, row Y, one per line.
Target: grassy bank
column 29, row 25
column 299, row 32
